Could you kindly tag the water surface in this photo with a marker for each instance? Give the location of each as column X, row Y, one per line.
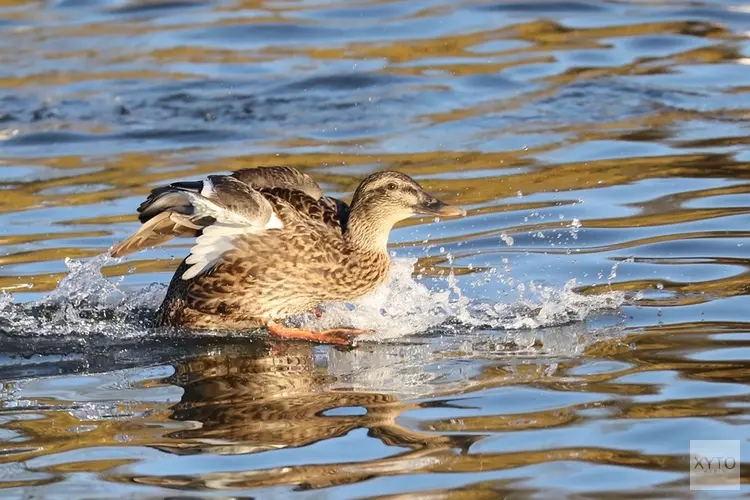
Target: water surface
column 566, row 339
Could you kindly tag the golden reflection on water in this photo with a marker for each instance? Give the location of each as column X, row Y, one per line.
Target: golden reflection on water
column 271, row 396
column 133, row 177
column 627, row 117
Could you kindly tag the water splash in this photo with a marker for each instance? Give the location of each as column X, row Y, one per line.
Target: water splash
column 87, row 303
column 613, row 271
column 84, row 303
column 406, row 306
column 508, row 240
column 575, row 227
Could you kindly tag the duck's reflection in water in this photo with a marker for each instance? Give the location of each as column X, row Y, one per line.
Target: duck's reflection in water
column 267, row 396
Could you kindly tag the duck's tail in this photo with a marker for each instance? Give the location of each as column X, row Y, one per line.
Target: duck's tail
column 166, row 213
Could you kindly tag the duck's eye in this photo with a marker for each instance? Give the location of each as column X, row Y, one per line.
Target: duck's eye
column 391, row 187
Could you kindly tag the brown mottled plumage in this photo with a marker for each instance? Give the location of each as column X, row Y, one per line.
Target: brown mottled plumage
column 270, row 245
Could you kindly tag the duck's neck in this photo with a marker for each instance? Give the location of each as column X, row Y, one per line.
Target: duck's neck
column 368, row 229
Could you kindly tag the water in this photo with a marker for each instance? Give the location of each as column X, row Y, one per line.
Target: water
column 566, row 339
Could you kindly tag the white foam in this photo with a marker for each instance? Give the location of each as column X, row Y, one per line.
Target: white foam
column 406, row 306
column 85, row 302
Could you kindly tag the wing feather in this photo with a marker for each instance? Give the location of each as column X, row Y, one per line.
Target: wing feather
column 218, row 239
column 279, row 177
column 224, row 210
column 223, row 202
column 156, row 231
column 291, row 204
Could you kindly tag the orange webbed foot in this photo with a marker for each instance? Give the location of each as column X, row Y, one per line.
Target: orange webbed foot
column 336, row 336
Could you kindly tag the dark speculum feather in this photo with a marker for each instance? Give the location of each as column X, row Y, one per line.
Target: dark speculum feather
column 168, row 198
column 193, row 186
column 203, row 221
column 343, row 211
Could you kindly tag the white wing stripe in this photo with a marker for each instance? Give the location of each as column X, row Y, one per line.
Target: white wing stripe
column 217, row 239
column 274, row 222
column 208, row 190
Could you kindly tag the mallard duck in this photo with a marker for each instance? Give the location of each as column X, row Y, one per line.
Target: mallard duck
column 270, row 245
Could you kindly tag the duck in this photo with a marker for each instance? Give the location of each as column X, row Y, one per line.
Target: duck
column 270, row 246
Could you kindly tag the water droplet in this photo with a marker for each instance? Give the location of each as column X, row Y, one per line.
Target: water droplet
column 508, row 240
column 575, row 226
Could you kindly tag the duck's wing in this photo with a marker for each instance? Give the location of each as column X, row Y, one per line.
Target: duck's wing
column 310, row 240
column 279, row 177
column 292, row 205
column 290, row 184
column 219, row 208
column 341, row 210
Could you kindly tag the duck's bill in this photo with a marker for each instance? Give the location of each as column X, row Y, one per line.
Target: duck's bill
column 437, row 207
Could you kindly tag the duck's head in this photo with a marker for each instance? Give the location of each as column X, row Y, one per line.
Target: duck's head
column 385, row 198
column 397, row 196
